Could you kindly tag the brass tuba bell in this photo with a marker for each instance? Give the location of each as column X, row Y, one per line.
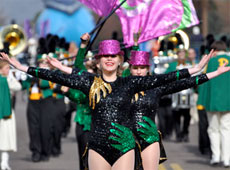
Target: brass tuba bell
column 179, row 39
column 15, row 36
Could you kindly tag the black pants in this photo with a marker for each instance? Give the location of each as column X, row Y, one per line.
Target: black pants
column 82, row 140
column 59, row 112
column 181, row 131
column 39, row 116
column 204, row 142
column 165, row 121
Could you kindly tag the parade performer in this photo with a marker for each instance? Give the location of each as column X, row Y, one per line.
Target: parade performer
column 55, row 49
column 203, row 138
column 8, row 84
column 217, row 105
column 40, row 113
column 109, row 97
column 145, row 105
column 204, row 141
column 181, row 101
column 83, row 113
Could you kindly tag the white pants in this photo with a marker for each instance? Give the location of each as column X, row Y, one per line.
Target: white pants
column 193, row 110
column 219, row 134
column 8, row 134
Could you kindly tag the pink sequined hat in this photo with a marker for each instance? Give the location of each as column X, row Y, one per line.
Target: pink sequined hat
column 139, row 58
column 109, row 47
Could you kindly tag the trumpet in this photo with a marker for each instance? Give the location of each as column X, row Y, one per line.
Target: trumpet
column 15, row 36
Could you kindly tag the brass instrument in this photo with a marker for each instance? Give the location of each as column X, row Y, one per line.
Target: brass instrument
column 174, row 39
column 179, row 39
column 15, row 36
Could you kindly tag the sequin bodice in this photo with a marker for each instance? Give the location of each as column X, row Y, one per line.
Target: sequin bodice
column 147, row 104
column 113, row 105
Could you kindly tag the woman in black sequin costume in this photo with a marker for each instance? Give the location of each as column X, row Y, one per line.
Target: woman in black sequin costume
column 145, row 105
column 109, row 97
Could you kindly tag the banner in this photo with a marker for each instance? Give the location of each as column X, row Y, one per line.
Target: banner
column 100, row 7
column 154, row 18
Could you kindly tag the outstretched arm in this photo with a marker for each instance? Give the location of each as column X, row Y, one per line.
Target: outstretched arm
column 222, row 69
column 150, row 82
column 204, row 61
column 54, row 62
column 12, row 61
column 77, row 81
column 186, row 83
column 183, row 84
column 57, row 64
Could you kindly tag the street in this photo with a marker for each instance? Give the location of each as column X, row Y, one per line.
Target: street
column 181, row 156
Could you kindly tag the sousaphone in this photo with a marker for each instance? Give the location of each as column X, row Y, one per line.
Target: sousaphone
column 15, row 36
column 179, row 39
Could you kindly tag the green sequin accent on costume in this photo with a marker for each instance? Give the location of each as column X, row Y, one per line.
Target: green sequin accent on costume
column 148, row 131
column 80, row 72
column 36, row 72
column 177, row 75
column 124, row 137
column 197, row 80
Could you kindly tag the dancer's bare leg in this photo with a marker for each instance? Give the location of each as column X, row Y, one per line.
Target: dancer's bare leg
column 151, row 156
column 97, row 162
column 126, row 162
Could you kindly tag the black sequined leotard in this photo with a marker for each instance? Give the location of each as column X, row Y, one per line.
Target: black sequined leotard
column 110, row 101
column 147, row 103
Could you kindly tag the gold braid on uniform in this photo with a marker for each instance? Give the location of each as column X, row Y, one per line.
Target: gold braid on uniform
column 136, row 96
column 97, row 86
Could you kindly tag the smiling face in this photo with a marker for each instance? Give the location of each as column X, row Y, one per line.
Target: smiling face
column 139, row 70
column 110, row 63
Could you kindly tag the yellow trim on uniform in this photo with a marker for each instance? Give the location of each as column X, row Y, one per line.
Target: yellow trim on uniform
column 200, row 107
column 35, row 96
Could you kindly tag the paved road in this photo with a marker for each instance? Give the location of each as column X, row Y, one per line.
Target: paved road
column 183, row 156
column 21, row 160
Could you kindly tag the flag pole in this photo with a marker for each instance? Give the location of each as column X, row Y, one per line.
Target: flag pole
column 103, row 21
column 99, row 24
column 94, row 38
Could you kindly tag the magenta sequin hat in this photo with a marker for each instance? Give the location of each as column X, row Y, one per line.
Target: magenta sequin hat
column 109, row 47
column 139, row 58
